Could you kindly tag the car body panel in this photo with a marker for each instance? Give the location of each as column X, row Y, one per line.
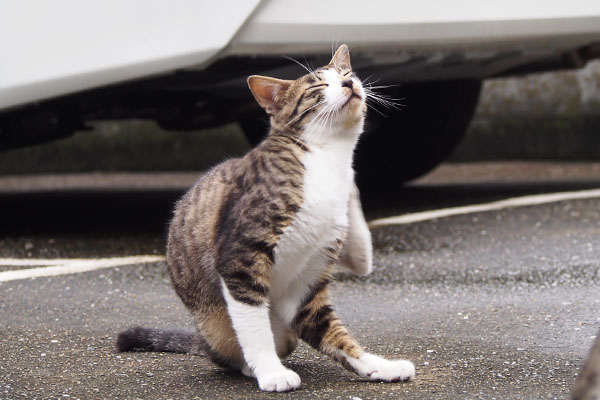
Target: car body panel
column 428, row 40
column 312, row 24
column 56, row 48
column 50, row 48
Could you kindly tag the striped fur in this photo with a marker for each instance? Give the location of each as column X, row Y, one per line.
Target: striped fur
column 587, row 386
column 252, row 244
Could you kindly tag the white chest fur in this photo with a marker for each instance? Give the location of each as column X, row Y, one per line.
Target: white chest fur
column 322, row 218
column 327, row 184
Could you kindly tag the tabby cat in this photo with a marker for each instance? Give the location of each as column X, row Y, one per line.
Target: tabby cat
column 252, row 245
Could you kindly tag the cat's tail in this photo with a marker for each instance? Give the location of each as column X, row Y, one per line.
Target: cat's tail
column 150, row 339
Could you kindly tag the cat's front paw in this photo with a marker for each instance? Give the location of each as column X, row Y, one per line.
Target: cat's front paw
column 379, row 369
column 281, row 380
column 394, row 371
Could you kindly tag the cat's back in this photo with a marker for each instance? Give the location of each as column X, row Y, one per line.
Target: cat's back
column 195, row 213
column 240, row 206
column 191, row 249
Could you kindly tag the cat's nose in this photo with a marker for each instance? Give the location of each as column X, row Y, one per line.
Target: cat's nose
column 347, row 83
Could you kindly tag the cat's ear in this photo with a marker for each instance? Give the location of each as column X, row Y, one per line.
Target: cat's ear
column 268, row 92
column 341, row 58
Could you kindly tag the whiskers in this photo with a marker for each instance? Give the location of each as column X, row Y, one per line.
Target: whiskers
column 304, row 112
column 323, row 120
column 375, row 100
column 307, row 67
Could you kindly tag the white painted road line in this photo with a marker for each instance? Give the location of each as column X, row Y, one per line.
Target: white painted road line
column 493, row 206
column 30, row 262
column 53, row 267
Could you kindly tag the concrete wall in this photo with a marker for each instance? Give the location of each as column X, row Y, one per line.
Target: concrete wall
column 572, row 93
column 549, row 116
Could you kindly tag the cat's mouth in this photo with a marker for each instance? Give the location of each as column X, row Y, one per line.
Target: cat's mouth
column 352, row 96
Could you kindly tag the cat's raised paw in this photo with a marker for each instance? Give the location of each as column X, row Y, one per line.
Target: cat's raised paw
column 279, row 381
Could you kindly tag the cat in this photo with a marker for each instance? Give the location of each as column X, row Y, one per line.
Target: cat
column 587, row 385
column 252, row 244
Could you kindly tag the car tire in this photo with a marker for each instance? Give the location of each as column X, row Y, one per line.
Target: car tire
column 255, row 126
column 413, row 139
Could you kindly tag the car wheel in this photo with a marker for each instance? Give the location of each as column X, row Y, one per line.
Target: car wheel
column 416, row 137
column 255, row 126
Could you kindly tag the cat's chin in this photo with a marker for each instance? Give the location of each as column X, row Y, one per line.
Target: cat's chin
column 354, row 111
column 352, row 99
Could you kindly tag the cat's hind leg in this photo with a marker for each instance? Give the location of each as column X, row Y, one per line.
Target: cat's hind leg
column 286, row 340
column 218, row 336
column 317, row 324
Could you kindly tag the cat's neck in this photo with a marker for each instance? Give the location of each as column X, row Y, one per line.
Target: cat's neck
column 338, row 139
column 338, row 136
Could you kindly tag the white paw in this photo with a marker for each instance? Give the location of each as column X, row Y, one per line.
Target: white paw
column 379, row 369
column 279, row 381
column 393, row 371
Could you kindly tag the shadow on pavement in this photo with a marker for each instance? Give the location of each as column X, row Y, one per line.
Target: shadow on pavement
column 93, row 212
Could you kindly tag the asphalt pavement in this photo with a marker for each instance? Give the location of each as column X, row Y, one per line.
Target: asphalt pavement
column 494, row 305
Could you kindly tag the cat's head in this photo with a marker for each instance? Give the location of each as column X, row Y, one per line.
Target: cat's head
column 329, row 100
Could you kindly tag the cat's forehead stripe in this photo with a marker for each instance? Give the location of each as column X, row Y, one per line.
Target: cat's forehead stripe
column 330, row 74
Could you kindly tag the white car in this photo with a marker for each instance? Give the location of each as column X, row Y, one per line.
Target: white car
column 184, row 63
